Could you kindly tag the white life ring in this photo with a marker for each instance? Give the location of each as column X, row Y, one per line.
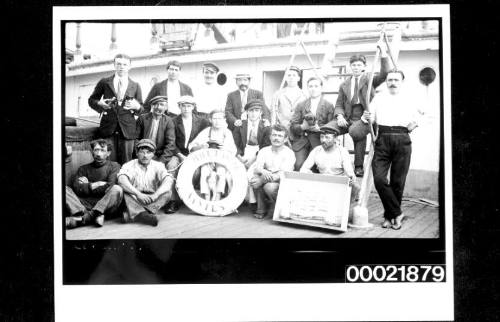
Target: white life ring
column 190, row 197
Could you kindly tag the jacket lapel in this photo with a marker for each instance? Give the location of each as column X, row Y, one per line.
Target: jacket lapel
column 161, row 130
column 111, row 86
column 130, row 88
column 260, row 131
column 244, row 133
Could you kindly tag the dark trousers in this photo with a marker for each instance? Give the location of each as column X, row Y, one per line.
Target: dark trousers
column 124, row 147
column 311, row 140
column 392, row 150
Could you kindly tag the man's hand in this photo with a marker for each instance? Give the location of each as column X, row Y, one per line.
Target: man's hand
column 341, row 121
column 256, row 182
column 267, row 123
column 97, row 184
column 366, row 117
column 181, row 156
column 267, row 175
column 105, row 103
column 132, row 104
column 144, row 198
column 314, row 128
column 351, row 181
column 83, row 180
column 305, row 125
column 412, row 126
column 238, row 123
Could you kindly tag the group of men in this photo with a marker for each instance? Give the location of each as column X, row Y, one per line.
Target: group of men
column 297, row 133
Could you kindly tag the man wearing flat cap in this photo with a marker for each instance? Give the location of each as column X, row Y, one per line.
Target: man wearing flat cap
column 237, row 100
column 171, row 87
column 351, row 102
column 118, row 99
column 331, row 158
column 159, row 128
column 209, row 95
column 285, row 100
column 146, row 183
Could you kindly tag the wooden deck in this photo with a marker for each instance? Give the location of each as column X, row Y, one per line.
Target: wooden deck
column 422, row 221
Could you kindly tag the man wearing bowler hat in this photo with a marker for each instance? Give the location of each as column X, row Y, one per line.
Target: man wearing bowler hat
column 209, row 95
column 146, row 183
column 159, row 128
column 351, row 102
column 171, row 87
column 237, row 100
column 331, row 158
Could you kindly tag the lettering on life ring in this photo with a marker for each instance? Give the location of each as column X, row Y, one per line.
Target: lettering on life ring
column 228, row 204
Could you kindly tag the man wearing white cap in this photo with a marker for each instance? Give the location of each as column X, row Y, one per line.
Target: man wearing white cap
column 146, row 183
column 209, row 94
column 238, row 99
column 159, row 128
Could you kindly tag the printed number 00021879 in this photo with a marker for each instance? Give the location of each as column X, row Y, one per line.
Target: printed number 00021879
column 394, row 273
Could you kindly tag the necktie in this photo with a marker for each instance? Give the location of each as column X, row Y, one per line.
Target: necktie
column 119, row 91
column 244, row 100
column 252, row 138
column 355, row 98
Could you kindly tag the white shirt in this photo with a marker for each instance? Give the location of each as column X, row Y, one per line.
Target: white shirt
column 210, row 97
column 173, row 94
column 244, row 99
column 272, row 161
column 145, row 179
column 394, row 110
column 335, row 161
column 254, row 126
column 314, row 104
column 188, row 126
column 225, row 136
column 124, row 80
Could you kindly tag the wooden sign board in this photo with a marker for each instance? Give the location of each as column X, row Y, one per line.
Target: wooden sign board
column 313, row 200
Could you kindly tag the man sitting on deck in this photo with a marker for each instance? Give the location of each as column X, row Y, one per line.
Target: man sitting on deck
column 271, row 162
column 331, row 158
column 147, row 185
column 95, row 187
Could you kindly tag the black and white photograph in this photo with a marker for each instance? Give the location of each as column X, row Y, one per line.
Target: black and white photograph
column 314, row 129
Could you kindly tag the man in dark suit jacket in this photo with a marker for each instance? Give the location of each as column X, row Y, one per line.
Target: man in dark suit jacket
column 237, row 100
column 118, row 99
column 187, row 126
column 171, row 86
column 308, row 117
column 351, row 103
column 159, row 128
column 252, row 133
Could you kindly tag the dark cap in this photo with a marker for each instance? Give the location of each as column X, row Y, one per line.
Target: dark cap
column 330, row 128
column 211, row 66
column 295, row 68
column 254, row 103
column 146, row 143
column 157, row 99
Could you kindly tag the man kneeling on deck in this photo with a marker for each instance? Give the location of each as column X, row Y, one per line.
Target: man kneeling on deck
column 146, row 183
column 271, row 162
column 331, row 158
column 95, row 187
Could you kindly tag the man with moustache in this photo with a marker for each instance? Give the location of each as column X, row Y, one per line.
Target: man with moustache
column 396, row 115
column 170, row 87
column 351, row 102
column 187, row 127
column 146, row 183
column 118, row 99
column 271, row 162
column 285, row 100
column 209, row 95
column 159, row 128
column 308, row 117
column 237, row 100
column 331, row 158
column 95, row 192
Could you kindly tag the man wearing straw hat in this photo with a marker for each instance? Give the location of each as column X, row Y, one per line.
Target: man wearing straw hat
column 237, row 100
column 146, row 183
column 351, row 102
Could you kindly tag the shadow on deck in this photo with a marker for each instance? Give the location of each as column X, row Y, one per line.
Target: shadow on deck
column 422, row 221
